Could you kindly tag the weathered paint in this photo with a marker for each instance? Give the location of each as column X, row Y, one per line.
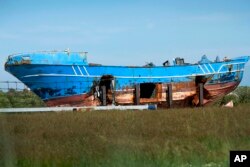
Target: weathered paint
column 65, row 78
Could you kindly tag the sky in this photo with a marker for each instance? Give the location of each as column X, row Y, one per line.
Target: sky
column 127, row 32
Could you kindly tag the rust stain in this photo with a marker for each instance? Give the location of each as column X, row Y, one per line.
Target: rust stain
column 25, row 62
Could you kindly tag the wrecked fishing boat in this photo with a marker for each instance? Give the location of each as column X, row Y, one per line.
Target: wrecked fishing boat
column 67, row 79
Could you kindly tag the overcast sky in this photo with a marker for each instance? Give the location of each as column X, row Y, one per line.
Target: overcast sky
column 127, row 32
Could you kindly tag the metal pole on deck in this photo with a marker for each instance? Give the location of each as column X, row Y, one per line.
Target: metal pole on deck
column 169, row 96
column 103, row 95
column 137, row 94
column 201, row 86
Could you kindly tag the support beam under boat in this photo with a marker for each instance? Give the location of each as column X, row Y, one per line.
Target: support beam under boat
column 201, row 94
column 137, row 94
column 103, row 96
column 169, row 96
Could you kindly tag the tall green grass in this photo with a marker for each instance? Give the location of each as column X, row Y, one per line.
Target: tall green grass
column 176, row 137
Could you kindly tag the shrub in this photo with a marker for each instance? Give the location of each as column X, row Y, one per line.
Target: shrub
column 24, row 98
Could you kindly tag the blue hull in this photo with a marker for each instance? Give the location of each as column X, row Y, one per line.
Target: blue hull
column 63, row 78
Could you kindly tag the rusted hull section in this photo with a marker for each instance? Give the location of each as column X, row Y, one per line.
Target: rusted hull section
column 215, row 91
column 76, row 100
column 184, row 95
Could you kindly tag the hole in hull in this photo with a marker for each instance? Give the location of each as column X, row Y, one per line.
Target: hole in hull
column 106, row 81
column 147, row 90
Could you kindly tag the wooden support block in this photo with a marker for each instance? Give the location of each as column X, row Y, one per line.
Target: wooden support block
column 169, row 96
column 137, row 94
column 201, row 87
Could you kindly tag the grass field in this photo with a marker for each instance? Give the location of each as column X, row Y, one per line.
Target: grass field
column 176, row 137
